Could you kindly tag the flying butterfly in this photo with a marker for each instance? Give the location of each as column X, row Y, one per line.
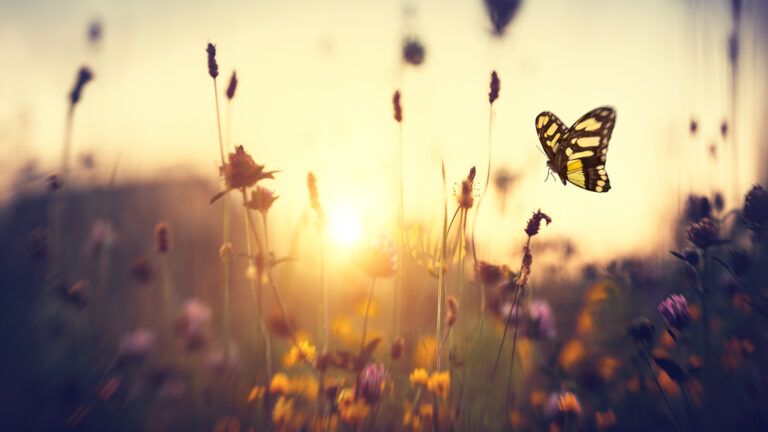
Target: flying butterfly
column 577, row 154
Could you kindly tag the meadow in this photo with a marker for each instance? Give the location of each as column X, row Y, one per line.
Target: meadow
column 169, row 305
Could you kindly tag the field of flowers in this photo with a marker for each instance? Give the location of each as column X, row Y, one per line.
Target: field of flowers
column 166, row 306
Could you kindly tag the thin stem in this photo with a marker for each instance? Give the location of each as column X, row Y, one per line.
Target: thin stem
column 705, row 304
column 441, row 281
column 218, row 121
column 661, row 390
column 367, row 312
column 396, row 293
column 325, row 314
column 487, row 182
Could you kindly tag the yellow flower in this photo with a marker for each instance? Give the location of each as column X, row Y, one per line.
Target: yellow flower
column 353, row 411
column 419, row 376
column 569, row 404
column 424, row 354
column 605, row 419
column 256, row 393
column 303, row 351
column 439, row 383
column 304, row 386
column 282, row 413
column 280, row 384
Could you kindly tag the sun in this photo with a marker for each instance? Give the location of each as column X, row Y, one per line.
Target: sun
column 345, row 225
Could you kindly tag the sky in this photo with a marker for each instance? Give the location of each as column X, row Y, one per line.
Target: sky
column 316, row 80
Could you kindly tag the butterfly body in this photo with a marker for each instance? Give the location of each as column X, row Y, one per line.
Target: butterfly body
column 578, row 154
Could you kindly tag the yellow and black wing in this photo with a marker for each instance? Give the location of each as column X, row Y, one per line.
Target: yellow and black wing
column 586, row 146
column 551, row 133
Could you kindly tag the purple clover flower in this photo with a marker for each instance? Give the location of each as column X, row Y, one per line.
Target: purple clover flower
column 371, row 382
column 674, row 309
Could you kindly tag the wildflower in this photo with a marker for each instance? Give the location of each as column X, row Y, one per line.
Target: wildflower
column 256, row 394
column 141, row 269
column 420, row 420
column 541, row 321
column 137, row 344
column 413, row 51
column 439, row 384
column 192, row 324
column 466, row 196
column 261, row 199
column 232, row 86
column 569, row 404
column 703, row 233
column 213, row 67
column 674, row 309
column 571, row 354
column 371, row 382
column 418, row 377
column 641, row 331
column 163, row 239
column 242, row 172
column 754, row 214
column 378, row 260
column 283, row 412
column 495, row 87
column 280, row 384
column 352, row 410
column 84, row 76
column 397, row 107
column 501, row 13
column 534, row 223
column 102, row 235
column 301, row 352
column 605, row 419
column 452, row 312
column 396, row 350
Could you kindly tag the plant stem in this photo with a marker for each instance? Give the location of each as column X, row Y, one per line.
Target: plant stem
column 661, row 390
column 397, row 292
column 367, row 312
column 441, row 281
column 325, row 315
column 705, row 304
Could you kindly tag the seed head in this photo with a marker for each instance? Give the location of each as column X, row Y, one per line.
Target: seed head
column 232, row 87
column 641, row 331
column 213, row 67
column 674, row 309
column 413, row 51
column 501, row 13
column 534, row 223
column 398, row 346
column 495, row 87
column 84, row 76
column 703, row 233
column 754, row 214
column 398, row 109
column 163, row 239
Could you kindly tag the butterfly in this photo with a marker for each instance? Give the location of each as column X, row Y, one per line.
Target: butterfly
column 578, row 153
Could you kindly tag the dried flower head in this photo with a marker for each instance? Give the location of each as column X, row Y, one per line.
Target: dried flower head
column 163, row 238
column 314, row 201
column 371, row 382
column 261, row 199
column 397, row 348
column 452, row 311
column 754, row 214
column 232, row 87
column 213, row 67
column 534, row 223
column 398, row 109
column 703, row 233
column 413, row 51
column 495, row 87
column 84, row 76
column 641, row 330
column 241, row 171
column 674, row 309
column 501, row 13
column 466, row 195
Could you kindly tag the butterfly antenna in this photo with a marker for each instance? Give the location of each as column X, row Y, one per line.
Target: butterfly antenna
column 548, row 173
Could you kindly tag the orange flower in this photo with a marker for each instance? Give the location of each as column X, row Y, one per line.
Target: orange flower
column 439, row 384
column 241, row 171
column 572, row 353
column 605, row 419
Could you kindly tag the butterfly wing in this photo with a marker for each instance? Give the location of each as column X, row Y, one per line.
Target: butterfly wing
column 586, row 146
column 551, row 133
